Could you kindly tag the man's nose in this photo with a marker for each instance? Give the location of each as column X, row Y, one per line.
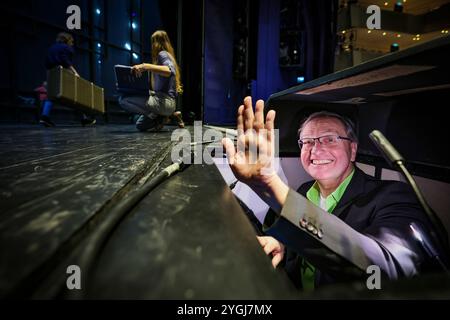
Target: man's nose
column 317, row 146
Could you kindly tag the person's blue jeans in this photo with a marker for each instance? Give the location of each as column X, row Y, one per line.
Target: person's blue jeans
column 47, row 108
column 157, row 104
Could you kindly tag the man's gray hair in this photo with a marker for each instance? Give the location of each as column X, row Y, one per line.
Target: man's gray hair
column 348, row 124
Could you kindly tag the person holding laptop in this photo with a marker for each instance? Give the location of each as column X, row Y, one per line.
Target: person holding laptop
column 156, row 108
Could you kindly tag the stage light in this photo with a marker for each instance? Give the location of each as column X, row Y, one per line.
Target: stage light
column 300, row 79
column 127, row 46
column 386, row 4
column 398, row 7
column 99, row 45
column 133, row 25
column 135, row 56
column 395, row 47
column 97, row 11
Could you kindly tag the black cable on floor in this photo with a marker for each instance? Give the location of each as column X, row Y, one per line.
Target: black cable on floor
column 106, row 228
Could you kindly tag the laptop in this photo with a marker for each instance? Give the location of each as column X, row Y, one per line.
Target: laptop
column 127, row 82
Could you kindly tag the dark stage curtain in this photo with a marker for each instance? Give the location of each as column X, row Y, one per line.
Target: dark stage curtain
column 320, row 19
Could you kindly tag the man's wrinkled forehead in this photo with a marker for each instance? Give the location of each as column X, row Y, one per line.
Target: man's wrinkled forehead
column 323, row 125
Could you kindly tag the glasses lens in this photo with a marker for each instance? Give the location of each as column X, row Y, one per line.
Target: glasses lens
column 328, row 140
column 307, row 142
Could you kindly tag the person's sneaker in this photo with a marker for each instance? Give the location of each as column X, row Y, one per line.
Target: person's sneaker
column 145, row 123
column 46, row 122
column 88, row 122
column 178, row 118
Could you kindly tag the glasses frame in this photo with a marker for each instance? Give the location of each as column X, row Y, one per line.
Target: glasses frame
column 300, row 143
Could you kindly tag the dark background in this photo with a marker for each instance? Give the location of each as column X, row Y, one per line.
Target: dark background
column 226, row 49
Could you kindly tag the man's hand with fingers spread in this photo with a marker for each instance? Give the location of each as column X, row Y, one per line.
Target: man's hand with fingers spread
column 273, row 247
column 253, row 161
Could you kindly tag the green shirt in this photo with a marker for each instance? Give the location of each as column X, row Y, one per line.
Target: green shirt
column 313, row 195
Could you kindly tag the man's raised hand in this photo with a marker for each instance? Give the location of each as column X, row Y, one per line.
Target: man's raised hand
column 252, row 160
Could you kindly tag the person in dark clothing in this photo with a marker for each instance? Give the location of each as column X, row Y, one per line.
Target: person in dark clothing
column 341, row 223
column 60, row 54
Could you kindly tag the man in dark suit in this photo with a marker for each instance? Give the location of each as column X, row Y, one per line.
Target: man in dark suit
column 351, row 221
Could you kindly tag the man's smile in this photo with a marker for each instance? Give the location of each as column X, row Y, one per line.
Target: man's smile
column 321, row 161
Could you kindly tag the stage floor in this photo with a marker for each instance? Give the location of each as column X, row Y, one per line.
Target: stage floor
column 188, row 238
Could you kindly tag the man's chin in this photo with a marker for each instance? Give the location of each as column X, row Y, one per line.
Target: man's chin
column 320, row 173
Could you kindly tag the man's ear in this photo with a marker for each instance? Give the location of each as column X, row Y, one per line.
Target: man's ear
column 354, row 149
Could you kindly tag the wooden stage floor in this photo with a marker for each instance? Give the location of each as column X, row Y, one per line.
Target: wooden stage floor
column 187, row 239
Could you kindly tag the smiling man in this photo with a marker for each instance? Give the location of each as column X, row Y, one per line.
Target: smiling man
column 351, row 221
column 329, row 148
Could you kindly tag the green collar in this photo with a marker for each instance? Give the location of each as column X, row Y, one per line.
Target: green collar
column 332, row 200
column 313, row 195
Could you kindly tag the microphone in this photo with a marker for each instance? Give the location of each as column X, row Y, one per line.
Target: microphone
column 388, row 151
column 439, row 234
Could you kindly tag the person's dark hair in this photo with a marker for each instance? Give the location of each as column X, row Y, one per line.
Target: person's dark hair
column 64, row 37
column 348, row 124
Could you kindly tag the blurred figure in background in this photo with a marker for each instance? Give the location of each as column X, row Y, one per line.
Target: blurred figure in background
column 157, row 109
column 60, row 54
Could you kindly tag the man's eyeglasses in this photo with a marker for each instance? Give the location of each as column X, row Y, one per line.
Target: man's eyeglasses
column 325, row 141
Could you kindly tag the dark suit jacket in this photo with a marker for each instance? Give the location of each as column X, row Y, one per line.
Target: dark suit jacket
column 369, row 226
